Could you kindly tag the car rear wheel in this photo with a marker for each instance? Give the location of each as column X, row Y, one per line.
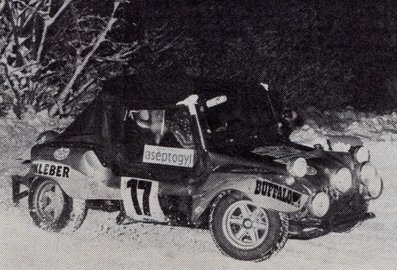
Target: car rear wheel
column 52, row 209
column 245, row 231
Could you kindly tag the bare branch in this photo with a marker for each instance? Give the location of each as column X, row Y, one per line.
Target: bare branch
column 96, row 42
column 48, row 24
column 86, row 86
column 12, row 87
column 91, row 17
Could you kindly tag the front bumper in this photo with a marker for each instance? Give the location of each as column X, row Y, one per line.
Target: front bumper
column 344, row 214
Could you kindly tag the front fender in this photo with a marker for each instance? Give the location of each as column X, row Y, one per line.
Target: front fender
column 265, row 190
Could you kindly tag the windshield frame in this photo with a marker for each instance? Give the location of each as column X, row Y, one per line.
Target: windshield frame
column 244, row 132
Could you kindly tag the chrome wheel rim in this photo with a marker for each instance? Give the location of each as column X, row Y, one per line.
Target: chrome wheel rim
column 50, row 202
column 245, row 224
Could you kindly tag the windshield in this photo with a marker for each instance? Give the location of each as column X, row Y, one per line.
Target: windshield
column 241, row 121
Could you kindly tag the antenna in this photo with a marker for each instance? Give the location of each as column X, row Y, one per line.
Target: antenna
column 266, row 86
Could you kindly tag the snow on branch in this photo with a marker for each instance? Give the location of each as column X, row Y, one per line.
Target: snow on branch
column 94, row 44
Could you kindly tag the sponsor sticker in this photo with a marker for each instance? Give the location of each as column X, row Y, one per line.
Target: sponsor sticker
column 179, row 157
column 278, row 192
column 49, row 169
column 61, row 153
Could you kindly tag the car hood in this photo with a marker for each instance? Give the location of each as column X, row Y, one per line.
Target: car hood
column 322, row 164
column 285, row 152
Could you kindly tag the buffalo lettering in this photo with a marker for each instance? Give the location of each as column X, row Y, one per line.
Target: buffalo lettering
column 277, row 192
column 52, row 170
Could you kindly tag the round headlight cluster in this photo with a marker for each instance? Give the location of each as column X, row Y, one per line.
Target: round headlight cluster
column 297, row 167
column 320, row 204
column 342, row 180
column 362, row 154
column 371, row 179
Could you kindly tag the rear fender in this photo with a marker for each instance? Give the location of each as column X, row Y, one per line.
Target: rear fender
column 265, row 190
column 81, row 175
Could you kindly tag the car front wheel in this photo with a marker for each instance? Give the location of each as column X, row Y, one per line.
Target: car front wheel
column 245, row 231
column 52, row 209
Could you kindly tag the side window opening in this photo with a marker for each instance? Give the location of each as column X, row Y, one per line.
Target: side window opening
column 179, row 125
column 154, row 120
column 170, row 128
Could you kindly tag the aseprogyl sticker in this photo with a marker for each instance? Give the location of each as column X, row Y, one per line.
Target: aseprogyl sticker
column 168, row 156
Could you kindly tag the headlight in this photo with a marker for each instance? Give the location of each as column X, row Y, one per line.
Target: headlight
column 361, row 154
column 342, row 180
column 297, row 167
column 375, row 187
column 320, row 204
column 372, row 181
column 367, row 172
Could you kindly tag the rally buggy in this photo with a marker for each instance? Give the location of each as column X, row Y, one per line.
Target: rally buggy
column 196, row 153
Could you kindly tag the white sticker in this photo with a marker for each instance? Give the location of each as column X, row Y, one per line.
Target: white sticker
column 61, row 153
column 141, row 199
column 179, row 157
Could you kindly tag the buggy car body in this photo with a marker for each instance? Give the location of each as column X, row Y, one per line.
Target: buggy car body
column 215, row 158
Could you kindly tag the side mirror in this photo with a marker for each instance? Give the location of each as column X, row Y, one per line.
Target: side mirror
column 266, row 86
column 216, row 101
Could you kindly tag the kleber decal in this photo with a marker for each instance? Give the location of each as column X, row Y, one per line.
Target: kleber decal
column 168, row 156
column 280, row 193
column 61, row 153
column 48, row 169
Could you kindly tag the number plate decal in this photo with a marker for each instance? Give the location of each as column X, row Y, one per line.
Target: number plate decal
column 140, row 199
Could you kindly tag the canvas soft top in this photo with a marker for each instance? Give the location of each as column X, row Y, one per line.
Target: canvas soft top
column 101, row 124
column 163, row 90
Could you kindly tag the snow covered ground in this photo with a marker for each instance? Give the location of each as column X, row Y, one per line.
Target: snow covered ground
column 102, row 244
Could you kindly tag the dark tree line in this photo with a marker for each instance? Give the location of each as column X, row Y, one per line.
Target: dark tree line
column 325, row 53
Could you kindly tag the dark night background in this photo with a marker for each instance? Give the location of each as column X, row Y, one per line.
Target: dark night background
column 324, row 53
column 327, row 54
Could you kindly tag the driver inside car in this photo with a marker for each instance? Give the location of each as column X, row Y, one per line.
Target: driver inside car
column 172, row 132
column 153, row 120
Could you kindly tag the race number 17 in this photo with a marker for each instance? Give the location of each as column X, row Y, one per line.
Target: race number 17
column 141, row 199
column 146, row 186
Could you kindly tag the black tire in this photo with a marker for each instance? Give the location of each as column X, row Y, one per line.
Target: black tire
column 226, row 234
column 52, row 209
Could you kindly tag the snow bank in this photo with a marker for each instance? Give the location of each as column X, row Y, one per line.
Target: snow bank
column 366, row 126
column 23, row 132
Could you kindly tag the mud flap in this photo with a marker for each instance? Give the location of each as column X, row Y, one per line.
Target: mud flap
column 16, row 190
